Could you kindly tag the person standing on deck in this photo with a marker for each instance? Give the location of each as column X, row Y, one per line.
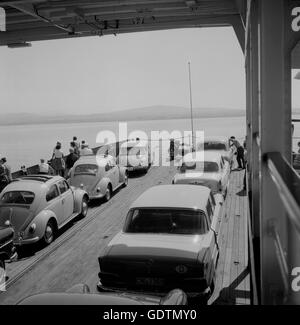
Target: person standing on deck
column 3, row 177
column 77, row 144
column 70, row 161
column 58, row 160
column 75, row 148
column 7, row 169
column 44, row 168
column 240, row 151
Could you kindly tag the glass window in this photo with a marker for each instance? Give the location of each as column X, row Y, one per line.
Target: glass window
column 63, row 186
column 52, row 193
column 200, row 166
column 169, row 221
column 86, row 169
column 133, row 151
column 209, row 211
column 212, row 145
column 17, row 197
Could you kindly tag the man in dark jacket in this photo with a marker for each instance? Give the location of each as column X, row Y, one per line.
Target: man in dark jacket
column 70, row 161
column 239, row 151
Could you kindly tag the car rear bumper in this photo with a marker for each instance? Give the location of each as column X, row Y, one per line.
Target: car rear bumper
column 27, row 241
column 133, row 168
column 191, row 294
column 95, row 196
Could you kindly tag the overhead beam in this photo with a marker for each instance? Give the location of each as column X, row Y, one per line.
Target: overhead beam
column 29, row 9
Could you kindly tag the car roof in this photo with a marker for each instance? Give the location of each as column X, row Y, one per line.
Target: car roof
column 174, row 196
column 32, row 183
column 78, row 299
column 210, row 155
column 135, row 143
column 215, row 139
column 94, row 159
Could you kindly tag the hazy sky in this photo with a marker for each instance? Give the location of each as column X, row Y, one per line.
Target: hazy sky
column 94, row 74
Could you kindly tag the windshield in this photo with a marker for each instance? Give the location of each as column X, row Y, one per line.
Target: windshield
column 17, row 197
column 86, row 169
column 211, row 145
column 168, row 221
column 199, row 166
column 133, row 151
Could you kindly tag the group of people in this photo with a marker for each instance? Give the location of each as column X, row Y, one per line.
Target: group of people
column 61, row 165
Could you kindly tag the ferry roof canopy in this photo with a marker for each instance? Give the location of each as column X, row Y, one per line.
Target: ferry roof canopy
column 35, row 20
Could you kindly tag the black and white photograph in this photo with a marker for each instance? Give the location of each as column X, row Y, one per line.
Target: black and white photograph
column 149, row 155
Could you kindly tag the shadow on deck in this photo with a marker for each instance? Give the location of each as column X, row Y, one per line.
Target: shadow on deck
column 232, row 286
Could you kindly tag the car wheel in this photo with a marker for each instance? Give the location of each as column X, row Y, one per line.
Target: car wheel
column 107, row 193
column 2, row 274
column 49, row 233
column 84, row 207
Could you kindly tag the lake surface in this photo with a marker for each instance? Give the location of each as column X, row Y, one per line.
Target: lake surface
column 26, row 144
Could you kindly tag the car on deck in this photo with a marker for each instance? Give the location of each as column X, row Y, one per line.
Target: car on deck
column 169, row 240
column 135, row 154
column 217, row 144
column 208, row 168
column 98, row 175
column 80, row 295
column 37, row 206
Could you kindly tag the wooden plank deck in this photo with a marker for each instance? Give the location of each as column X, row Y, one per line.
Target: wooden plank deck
column 232, row 285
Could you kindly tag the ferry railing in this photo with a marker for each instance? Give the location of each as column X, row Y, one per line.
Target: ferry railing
column 287, row 182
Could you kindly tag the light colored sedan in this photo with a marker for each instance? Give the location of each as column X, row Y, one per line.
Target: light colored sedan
column 99, row 175
column 36, row 206
column 169, row 241
column 217, row 144
column 207, row 168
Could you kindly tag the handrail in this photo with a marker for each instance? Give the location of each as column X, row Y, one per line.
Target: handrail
column 287, row 182
column 280, row 257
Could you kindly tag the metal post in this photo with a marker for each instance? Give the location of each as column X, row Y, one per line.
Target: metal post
column 274, row 130
column 255, row 156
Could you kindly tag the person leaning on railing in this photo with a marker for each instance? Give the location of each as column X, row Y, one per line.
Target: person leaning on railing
column 296, row 162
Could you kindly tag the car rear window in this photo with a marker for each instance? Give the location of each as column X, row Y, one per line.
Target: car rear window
column 199, row 166
column 168, row 221
column 17, row 197
column 86, row 169
column 133, row 151
column 211, row 145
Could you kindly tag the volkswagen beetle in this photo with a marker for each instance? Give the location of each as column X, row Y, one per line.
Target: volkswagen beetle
column 99, row 175
column 38, row 205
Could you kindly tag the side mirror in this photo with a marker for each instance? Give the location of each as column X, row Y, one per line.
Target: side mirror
column 7, row 223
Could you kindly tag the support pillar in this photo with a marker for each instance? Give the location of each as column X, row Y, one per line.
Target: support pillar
column 255, row 156
column 274, row 130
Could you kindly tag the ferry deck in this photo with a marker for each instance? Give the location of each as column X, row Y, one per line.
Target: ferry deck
column 260, row 227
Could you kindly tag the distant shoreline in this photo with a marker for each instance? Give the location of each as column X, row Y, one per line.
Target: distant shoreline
column 76, row 121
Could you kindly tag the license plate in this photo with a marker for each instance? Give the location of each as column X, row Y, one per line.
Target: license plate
column 150, row 281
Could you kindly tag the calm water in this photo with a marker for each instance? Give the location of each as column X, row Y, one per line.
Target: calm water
column 26, row 144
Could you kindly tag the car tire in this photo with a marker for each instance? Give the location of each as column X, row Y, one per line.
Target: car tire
column 107, row 195
column 49, row 233
column 84, row 207
column 2, row 273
